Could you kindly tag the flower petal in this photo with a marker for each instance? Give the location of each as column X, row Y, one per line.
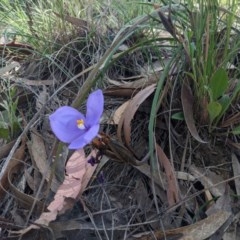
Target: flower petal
column 85, row 139
column 63, row 124
column 94, row 108
column 92, row 133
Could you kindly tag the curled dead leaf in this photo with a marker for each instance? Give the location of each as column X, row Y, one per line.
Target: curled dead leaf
column 198, row 231
column 14, row 161
column 119, row 112
column 130, row 111
column 172, row 189
column 187, row 103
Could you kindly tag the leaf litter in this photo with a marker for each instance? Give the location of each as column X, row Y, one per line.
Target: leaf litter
column 116, row 200
column 67, row 193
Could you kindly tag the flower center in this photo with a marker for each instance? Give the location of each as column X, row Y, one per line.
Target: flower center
column 80, row 124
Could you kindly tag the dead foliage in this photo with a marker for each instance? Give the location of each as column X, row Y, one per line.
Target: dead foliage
column 46, row 194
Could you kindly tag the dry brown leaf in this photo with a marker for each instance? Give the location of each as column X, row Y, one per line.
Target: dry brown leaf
column 208, row 179
column 167, row 23
column 119, row 112
column 187, row 103
column 199, row 231
column 114, row 82
column 68, row 192
column 130, row 111
column 136, row 83
column 159, row 179
column 76, row 172
column 172, row 189
column 122, row 80
column 39, row 154
column 15, row 50
column 15, row 161
column 222, row 203
column 185, row 176
column 79, row 23
column 5, row 149
column 120, row 92
column 26, row 200
column 141, row 83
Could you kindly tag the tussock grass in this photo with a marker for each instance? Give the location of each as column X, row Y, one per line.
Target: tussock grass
column 43, row 24
column 80, row 45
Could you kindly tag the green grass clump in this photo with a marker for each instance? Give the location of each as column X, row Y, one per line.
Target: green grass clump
column 9, row 119
column 48, row 25
column 207, row 32
column 210, row 52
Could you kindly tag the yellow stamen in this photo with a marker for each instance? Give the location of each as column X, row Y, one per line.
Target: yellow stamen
column 80, row 124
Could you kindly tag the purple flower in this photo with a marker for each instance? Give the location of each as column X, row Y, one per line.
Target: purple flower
column 71, row 126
